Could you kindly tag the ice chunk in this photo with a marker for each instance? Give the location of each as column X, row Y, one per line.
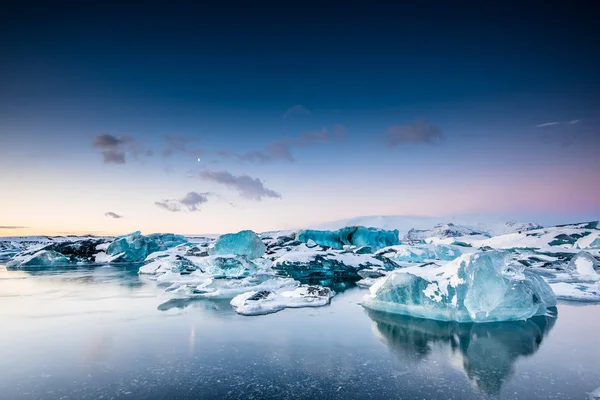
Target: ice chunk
column 136, row 247
column 480, row 287
column 595, row 395
column 267, row 302
column 585, row 265
column 244, row 243
column 161, row 265
column 352, row 235
column 210, row 288
column 591, row 241
column 320, row 264
column 423, row 252
column 38, row 259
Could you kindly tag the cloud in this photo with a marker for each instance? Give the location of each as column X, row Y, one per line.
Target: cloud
column 575, row 121
column 113, row 215
column 190, row 202
column 180, row 144
column 13, row 227
column 547, row 124
column 114, row 149
column 420, row 131
column 297, row 111
column 246, row 186
column 282, row 149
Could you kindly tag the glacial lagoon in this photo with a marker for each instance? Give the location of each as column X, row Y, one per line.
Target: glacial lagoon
column 107, row 332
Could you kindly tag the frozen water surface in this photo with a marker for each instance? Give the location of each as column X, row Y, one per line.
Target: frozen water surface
column 107, row 332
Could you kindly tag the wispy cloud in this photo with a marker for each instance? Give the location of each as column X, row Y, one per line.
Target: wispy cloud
column 190, row 202
column 13, row 227
column 547, row 124
column 115, row 148
column 281, row 150
column 420, row 131
column 245, row 185
column 113, row 215
column 297, row 111
column 554, row 123
column 180, row 144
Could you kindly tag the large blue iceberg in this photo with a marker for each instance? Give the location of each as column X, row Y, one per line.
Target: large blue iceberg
column 244, row 243
column 480, row 287
column 352, row 235
column 136, row 247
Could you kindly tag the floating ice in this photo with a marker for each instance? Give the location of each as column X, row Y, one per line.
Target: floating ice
column 211, row 288
column 319, row 264
column 136, row 247
column 161, row 265
column 267, row 302
column 479, row 287
column 577, row 291
column 352, row 235
column 585, row 265
column 244, row 243
column 423, row 252
column 41, row 258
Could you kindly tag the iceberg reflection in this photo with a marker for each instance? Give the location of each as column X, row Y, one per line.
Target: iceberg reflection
column 487, row 352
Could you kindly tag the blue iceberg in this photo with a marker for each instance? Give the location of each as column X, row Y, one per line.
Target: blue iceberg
column 352, row 235
column 480, row 287
column 244, row 243
column 136, row 247
column 41, row 258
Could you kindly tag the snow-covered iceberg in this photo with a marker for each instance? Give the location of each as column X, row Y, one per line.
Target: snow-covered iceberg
column 442, row 231
column 423, row 252
column 350, row 236
column 479, row 287
column 244, row 243
column 267, row 302
column 318, row 264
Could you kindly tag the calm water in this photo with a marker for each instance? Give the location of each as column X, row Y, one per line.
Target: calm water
column 107, row 333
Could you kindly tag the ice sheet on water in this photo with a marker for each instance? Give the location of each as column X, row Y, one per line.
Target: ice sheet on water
column 244, row 243
column 267, row 302
column 480, row 287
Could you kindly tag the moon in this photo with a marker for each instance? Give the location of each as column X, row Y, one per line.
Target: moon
column 198, row 160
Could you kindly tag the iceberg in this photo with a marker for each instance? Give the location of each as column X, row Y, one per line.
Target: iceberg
column 350, row 236
column 480, row 287
column 162, row 265
column 135, row 247
column 321, row 265
column 585, row 265
column 423, row 252
column 244, row 243
column 211, row 288
column 41, row 258
column 268, row 302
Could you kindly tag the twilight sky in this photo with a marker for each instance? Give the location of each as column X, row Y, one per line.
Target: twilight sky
column 278, row 115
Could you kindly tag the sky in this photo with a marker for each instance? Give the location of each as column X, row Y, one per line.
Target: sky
column 277, row 115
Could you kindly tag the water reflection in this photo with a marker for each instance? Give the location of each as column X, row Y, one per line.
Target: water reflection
column 486, row 352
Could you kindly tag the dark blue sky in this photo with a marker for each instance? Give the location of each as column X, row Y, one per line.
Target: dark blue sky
column 483, row 79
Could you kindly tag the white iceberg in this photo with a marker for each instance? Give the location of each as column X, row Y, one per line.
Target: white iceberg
column 267, row 302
